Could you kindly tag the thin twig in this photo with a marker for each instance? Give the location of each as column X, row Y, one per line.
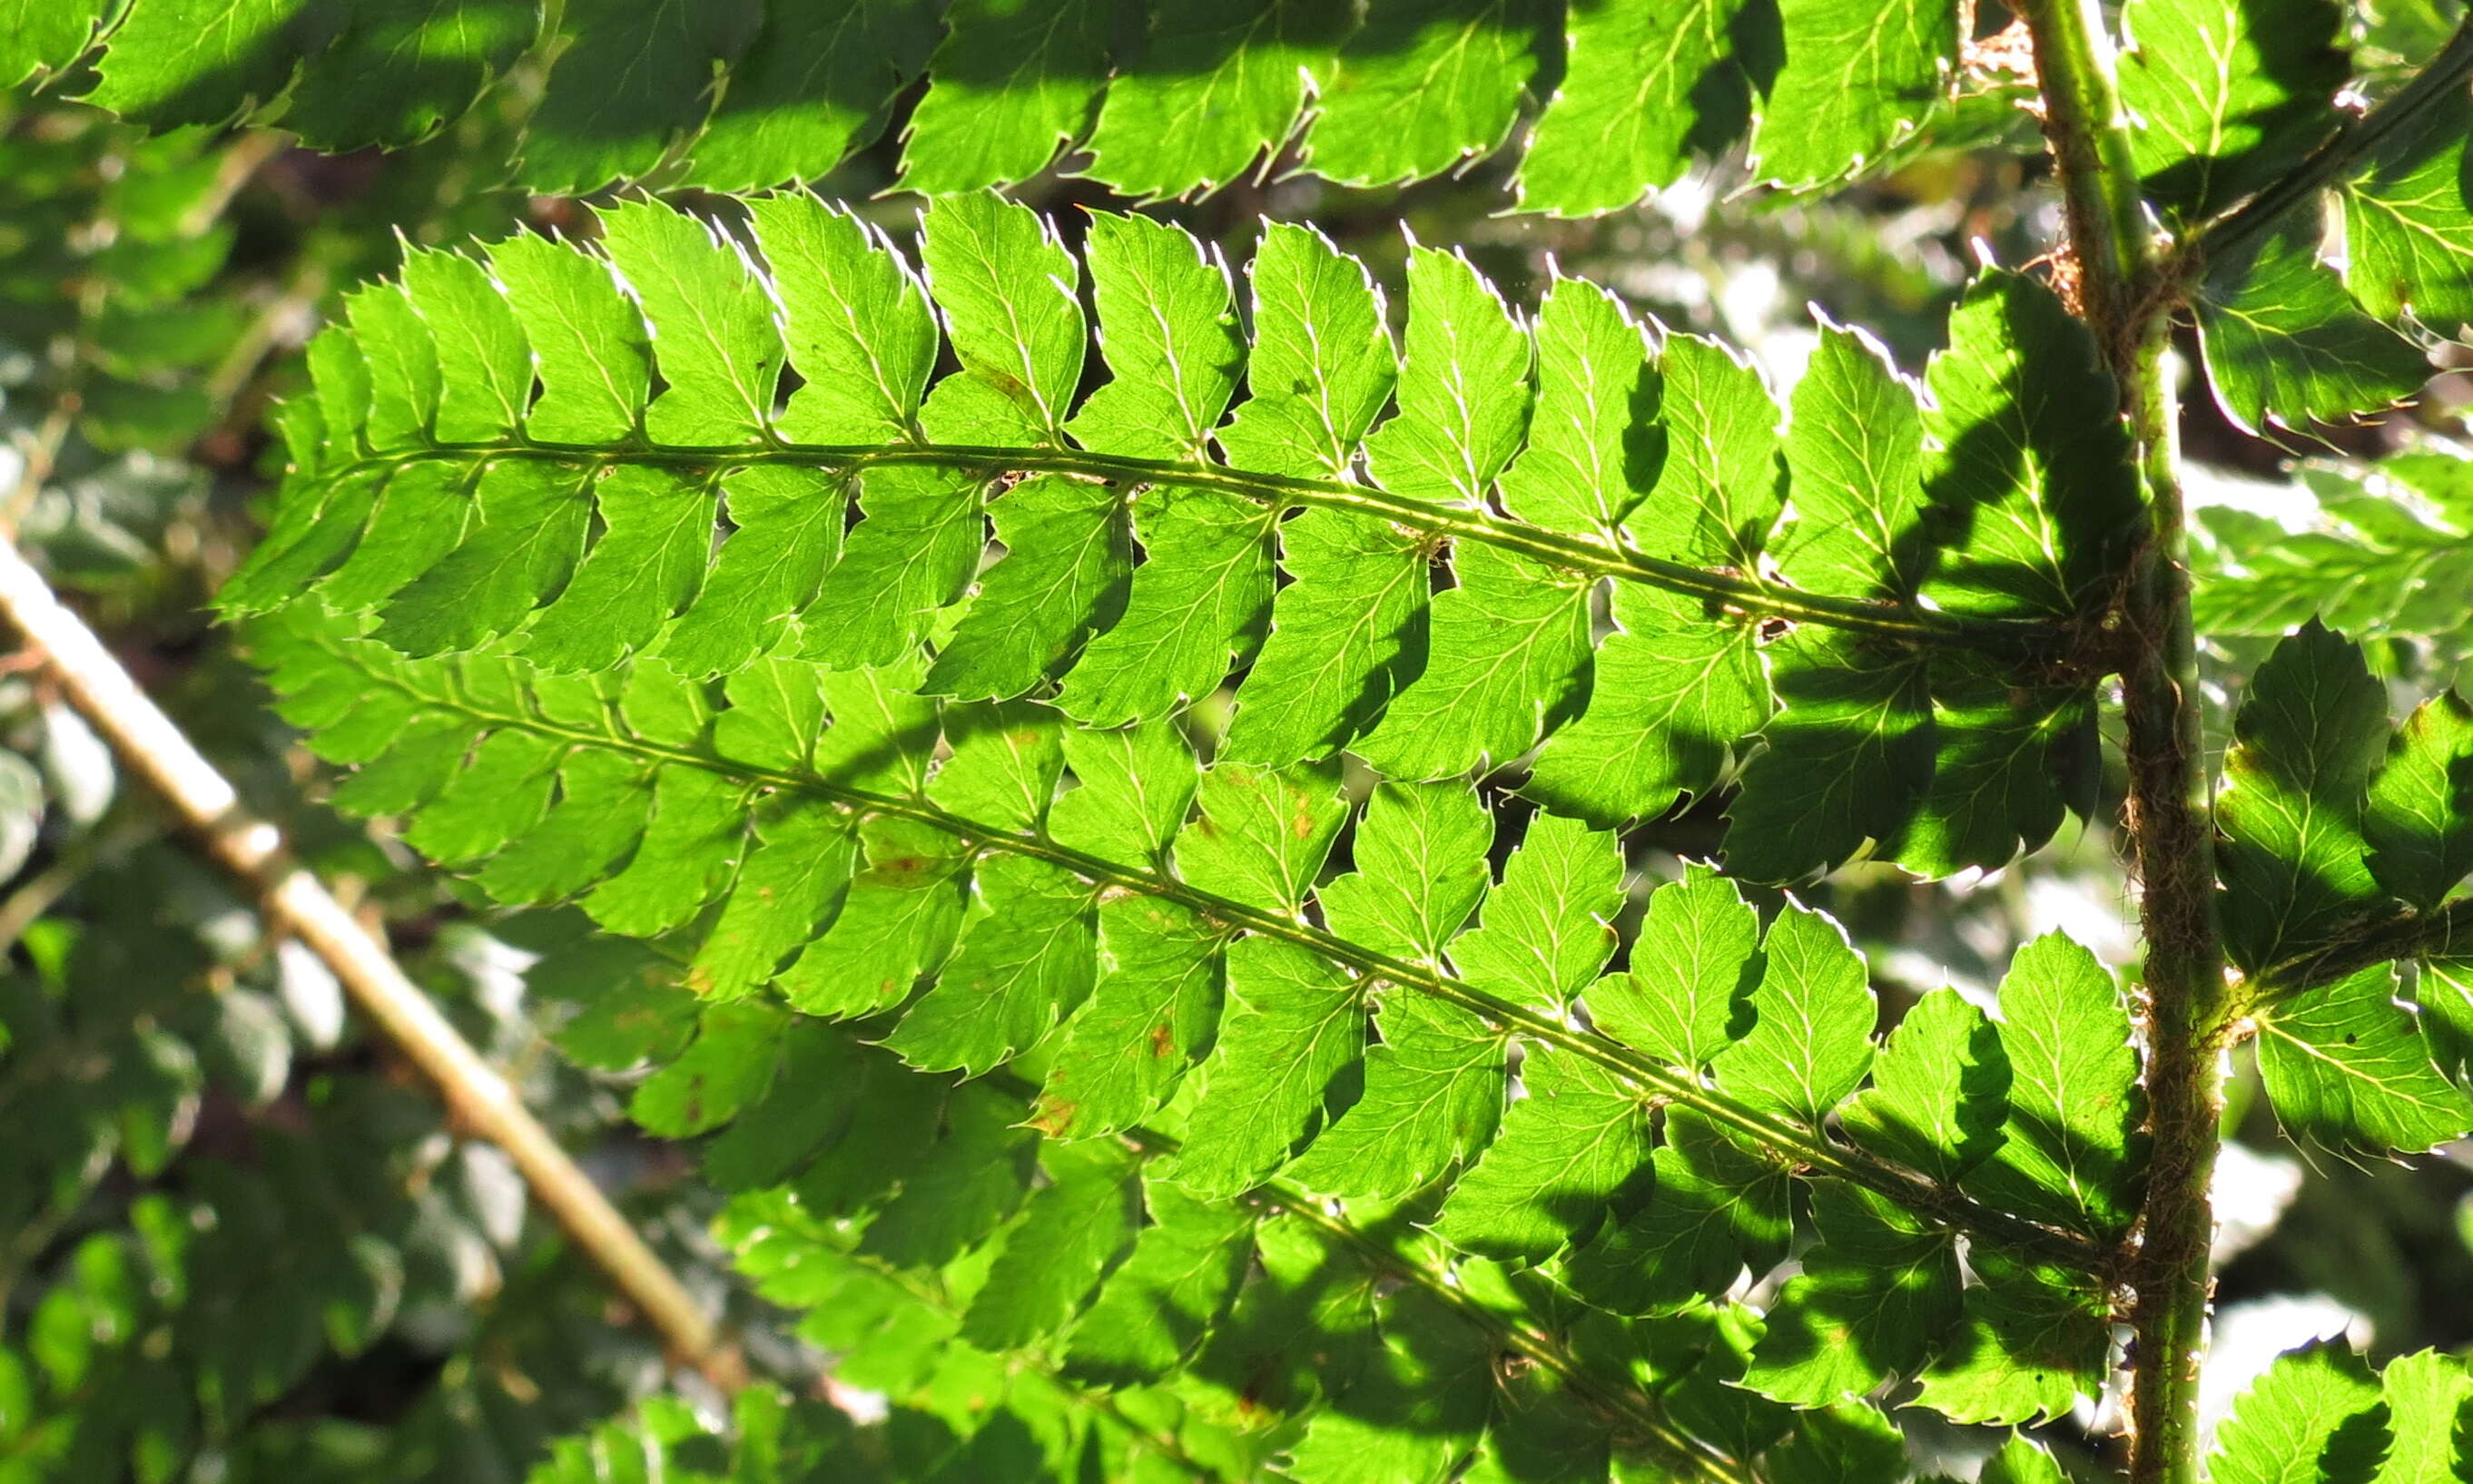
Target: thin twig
column 152, row 747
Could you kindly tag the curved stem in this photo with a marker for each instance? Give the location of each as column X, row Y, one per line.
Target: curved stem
column 2435, row 933
column 2087, row 128
column 2436, row 86
column 149, row 744
column 1746, row 592
column 2172, row 834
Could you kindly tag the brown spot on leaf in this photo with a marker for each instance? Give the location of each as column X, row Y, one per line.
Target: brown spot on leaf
column 1051, row 1115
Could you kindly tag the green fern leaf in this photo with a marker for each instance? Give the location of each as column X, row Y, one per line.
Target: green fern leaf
column 1547, row 929
column 1939, row 1089
column 1432, row 1097
column 1260, row 837
column 1668, row 688
column 2285, row 343
column 1696, row 964
column 848, row 915
column 1008, row 84
column 1856, row 80
column 1137, row 589
column 2425, row 1393
column 1217, row 87
column 1147, row 1021
column 1842, row 1444
column 2408, row 244
column 589, row 349
column 2033, row 1338
column 2316, row 1416
column 1169, row 1290
column 1643, row 83
column 1084, row 1267
column 629, row 85
column 2230, row 96
column 855, row 317
column 2388, row 558
column 1813, row 1015
column 46, row 37
column 2032, row 469
column 2306, row 740
column 2072, row 1150
column 1415, row 1416
column 1423, row 86
column 2347, row 1065
column 1870, row 1299
column 1565, row 1155
column 802, row 1112
column 811, row 85
column 2418, row 816
column 1292, row 1027
column 1718, row 1208
column 1070, row 1231
column 1168, row 323
column 1848, row 757
column 1420, row 872
column 722, row 1073
column 1854, row 456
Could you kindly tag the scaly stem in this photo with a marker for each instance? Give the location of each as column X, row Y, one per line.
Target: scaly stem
column 2172, row 836
column 2439, row 932
column 2174, row 840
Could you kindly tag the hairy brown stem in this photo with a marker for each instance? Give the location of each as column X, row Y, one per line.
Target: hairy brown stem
column 2170, row 832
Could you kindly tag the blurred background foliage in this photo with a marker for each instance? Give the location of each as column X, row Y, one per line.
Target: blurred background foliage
column 238, row 1238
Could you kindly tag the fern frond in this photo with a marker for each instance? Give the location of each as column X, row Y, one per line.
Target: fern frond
column 770, row 1439
column 919, row 1240
column 1172, row 937
column 1930, row 590
column 1168, row 99
column 1108, row 1287
column 2388, row 554
column 2248, row 147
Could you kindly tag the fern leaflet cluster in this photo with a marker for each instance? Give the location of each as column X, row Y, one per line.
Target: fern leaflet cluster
column 1168, row 99
column 1109, row 737
column 1888, row 594
column 1148, row 938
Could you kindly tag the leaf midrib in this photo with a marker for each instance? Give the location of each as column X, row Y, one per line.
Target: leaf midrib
column 2016, row 638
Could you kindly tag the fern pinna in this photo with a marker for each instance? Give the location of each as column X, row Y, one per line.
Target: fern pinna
column 1318, row 1108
